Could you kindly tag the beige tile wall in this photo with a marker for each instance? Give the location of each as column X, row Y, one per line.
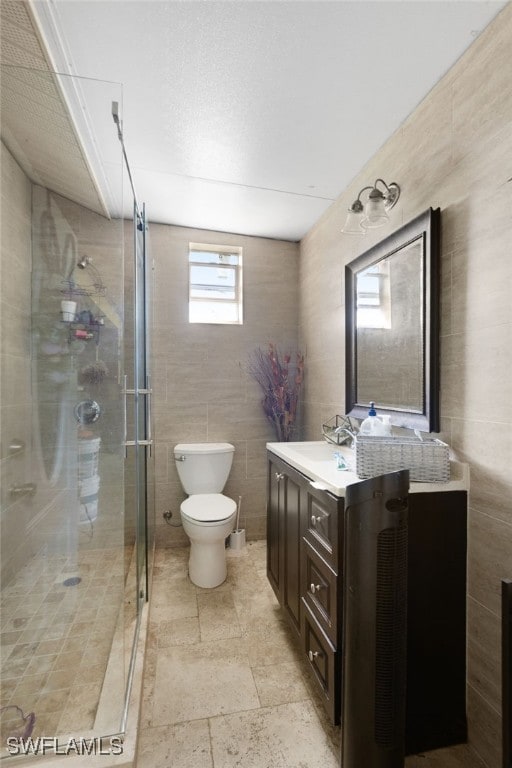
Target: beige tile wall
column 15, row 369
column 454, row 152
column 202, row 390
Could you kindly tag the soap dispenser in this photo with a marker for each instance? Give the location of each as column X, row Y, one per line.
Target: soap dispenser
column 372, row 425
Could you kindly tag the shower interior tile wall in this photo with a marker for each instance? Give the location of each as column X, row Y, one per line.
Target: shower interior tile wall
column 202, row 390
column 450, row 153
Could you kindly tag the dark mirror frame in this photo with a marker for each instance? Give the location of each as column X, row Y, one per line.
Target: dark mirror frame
column 428, row 227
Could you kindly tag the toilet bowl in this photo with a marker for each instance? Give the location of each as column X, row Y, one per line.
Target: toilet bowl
column 208, row 519
column 207, row 515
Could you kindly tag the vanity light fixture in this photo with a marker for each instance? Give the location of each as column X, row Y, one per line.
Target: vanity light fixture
column 374, row 213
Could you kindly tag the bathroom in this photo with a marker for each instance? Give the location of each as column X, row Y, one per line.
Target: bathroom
column 450, row 153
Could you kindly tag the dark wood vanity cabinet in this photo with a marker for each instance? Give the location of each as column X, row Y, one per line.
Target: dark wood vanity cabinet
column 305, row 542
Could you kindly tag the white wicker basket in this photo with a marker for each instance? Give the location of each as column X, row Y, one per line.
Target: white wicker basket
column 427, row 460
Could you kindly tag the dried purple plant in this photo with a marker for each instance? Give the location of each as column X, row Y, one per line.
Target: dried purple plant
column 280, row 382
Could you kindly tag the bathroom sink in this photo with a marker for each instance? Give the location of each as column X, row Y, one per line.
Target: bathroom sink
column 320, row 451
column 317, row 460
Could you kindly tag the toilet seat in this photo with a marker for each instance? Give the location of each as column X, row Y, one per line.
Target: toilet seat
column 208, row 508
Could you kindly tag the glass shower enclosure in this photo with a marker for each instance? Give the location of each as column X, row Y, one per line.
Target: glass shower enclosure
column 77, row 511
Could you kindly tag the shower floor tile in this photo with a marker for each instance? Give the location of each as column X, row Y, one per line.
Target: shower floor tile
column 56, row 639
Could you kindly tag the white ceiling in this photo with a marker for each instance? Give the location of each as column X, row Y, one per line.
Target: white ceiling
column 247, row 116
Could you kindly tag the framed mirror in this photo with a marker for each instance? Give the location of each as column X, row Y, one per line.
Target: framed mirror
column 392, row 326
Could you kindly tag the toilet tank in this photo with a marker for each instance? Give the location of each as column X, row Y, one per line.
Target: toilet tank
column 203, row 467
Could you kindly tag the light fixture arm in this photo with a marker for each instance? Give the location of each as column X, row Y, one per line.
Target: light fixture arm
column 392, row 193
column 357, row 206
column 361, row 192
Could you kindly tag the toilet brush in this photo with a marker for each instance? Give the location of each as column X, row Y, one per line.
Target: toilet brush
column 237, row 538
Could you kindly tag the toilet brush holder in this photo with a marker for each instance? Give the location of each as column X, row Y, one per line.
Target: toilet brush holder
column 237, row 539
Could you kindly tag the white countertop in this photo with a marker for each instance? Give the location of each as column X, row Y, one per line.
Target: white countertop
column 316, row 460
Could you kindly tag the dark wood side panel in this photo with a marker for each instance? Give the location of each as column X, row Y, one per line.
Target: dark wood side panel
column 506, row 669
column 436, row 621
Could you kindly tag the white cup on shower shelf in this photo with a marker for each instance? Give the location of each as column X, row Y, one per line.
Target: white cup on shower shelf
column 68, row 311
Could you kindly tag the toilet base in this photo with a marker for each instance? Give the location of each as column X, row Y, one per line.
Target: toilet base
column 207, row 563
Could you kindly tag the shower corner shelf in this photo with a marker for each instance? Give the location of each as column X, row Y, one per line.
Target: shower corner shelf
column 72, row 289
column 79, row 331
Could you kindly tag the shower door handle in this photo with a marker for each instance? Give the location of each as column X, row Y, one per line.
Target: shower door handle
column 149, row 405
column 126, row 391
column 147, row 392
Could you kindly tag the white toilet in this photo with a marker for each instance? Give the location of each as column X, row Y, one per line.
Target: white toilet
column 207, row 515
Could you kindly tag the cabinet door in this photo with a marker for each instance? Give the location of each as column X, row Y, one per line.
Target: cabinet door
column 291, row 546
column 283, row 537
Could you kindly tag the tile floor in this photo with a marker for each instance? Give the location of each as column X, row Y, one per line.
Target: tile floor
column 225, row 685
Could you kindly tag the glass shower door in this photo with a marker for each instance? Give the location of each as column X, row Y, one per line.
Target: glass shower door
column 74, row 547
column 143, row 394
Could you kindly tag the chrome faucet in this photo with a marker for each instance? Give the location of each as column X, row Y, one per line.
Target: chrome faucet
column 349, row 432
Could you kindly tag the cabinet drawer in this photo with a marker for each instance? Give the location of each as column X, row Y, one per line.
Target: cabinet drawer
column 321, row 525
column 324, row 662
column 319, row 590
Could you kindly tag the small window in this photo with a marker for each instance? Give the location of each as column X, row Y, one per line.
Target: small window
column 215, row 284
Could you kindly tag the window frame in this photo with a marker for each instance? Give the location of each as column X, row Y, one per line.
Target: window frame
column 237, row 301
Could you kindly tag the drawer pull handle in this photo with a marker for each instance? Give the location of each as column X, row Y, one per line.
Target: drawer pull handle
column 316, row 588
column 314, row 655
column 279, row 476
column 318, row 518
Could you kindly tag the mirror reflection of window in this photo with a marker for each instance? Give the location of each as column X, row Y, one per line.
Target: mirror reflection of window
column 373, row 297
column 389, row 339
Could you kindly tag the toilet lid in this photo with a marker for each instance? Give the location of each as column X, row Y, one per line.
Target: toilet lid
column 208, row 507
